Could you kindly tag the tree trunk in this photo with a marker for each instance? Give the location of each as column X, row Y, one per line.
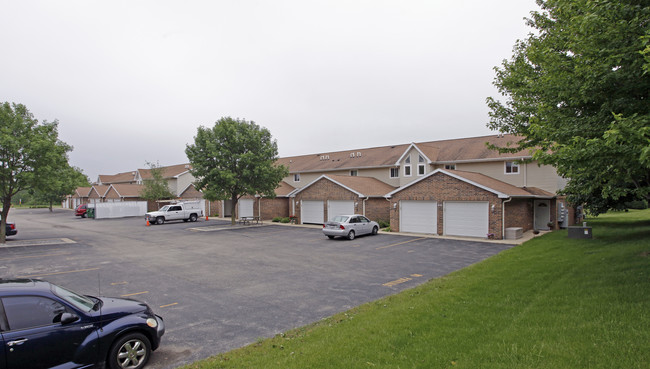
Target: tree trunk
column 6, row 204
column 233, row 212
column 50, row 206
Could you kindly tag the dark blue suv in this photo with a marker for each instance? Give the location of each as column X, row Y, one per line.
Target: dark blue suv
column 43, row 325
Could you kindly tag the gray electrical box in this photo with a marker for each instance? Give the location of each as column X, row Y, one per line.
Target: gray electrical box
column 580, row 232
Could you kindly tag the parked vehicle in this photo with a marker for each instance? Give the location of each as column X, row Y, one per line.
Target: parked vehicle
column 81, row 210
column 350, row 226
column 44, row 325
column 10, row 229
column 186, row 211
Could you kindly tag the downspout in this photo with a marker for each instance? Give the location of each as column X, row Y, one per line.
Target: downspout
column 503, row 217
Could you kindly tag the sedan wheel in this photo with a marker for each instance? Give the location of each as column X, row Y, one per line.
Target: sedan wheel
column 351, row 235
column 130, row 352
column 375, row 230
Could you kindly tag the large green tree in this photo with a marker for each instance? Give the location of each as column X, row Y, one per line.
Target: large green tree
column 56, row 182
column 578, row 93
column 233, row 159
column 155, row 188
column 30, row 154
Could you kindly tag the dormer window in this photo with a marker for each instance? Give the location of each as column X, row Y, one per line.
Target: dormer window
column 354, row 173
column 407, row 167
column 421, row 166
column 296, row 177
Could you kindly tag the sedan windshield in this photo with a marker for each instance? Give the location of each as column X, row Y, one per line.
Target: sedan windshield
column 340, row 219
column 80, row 302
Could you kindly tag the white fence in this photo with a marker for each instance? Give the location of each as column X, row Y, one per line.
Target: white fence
column 119, row 209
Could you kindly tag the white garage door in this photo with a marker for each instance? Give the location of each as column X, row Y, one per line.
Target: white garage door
column 418, row 216
column 336, row 207
column 466, row 218
column 245, row 207
column 312, row 212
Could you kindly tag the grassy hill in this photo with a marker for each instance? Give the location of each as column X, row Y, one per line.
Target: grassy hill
column 552, row 302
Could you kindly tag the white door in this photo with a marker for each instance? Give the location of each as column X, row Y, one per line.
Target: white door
column 418, row 216
column 466, row 218
column 245, row 207
column 312, row 212
column 542, row 214
column 336, row 207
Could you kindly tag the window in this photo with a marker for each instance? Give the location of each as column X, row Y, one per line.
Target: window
column 354, row 173
column 512, row 167
column 296, row 177
column 394, row 172
column 450, row 166
column 31, row 311
column 407, row 167
column 421, row 169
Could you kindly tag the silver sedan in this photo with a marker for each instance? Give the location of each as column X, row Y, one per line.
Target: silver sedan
column 350, row 226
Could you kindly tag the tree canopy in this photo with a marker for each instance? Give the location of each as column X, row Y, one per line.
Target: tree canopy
column 31, row 154
column 235, row 158
column 155, row 188
column 577, row 92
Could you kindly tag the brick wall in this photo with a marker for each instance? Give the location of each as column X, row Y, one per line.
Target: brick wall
column 271, row 208
column 520, row 213
column 324, row 190
column 441, row 187
column 378, row 209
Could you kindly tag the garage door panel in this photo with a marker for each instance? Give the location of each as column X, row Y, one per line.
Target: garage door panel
column 312, row 212
column 339, row 207
column 246, row 208
column 419, row 216
column 466, row 218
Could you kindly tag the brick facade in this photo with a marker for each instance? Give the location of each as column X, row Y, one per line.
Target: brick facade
column 440, row 187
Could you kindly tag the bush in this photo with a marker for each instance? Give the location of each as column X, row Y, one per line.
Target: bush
column 639, row 205
column 285, row 220
column 276, row 219
column 383, row 223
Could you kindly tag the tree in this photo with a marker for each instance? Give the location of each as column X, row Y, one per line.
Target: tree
column 233, row 159
column 578, row 93
column 155, row 188
column 53, row 186
column 30, row 154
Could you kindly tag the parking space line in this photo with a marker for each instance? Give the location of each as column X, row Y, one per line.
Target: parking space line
column 168, row 305
column 400, row 243
column 401, row 280
column 118, row 283
column 135, row 294
column 66, row 272
column 35, row 256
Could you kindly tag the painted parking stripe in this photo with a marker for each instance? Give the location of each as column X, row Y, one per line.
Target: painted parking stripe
column 135, row 294
column 168, row 305
column 56, row 273
column 401, row 280
column 35, row 256
column 400, row 243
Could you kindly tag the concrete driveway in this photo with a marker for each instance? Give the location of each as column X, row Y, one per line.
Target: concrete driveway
column 220, row 287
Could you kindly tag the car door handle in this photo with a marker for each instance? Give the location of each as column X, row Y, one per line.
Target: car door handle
column 16, row 342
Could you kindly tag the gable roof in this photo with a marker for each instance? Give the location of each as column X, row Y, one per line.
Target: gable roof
column 99, row 189
column 284, row 189
column 442, row 151
column 125, row 177
column 501, row 189
column 171, row 171
column 127, row 189
column 361, row 186
column 82, row 191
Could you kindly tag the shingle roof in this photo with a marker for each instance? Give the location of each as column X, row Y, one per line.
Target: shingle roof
column 167, row 172
column 127, row 190
column 100, row 189
column 284, row 189
column 363, row 186
column 443, row 151
column 82, row 191
column 117, row 178
column 504, row 190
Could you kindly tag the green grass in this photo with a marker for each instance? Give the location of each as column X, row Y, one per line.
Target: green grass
column 552, row 302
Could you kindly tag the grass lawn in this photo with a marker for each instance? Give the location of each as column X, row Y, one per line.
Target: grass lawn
column 552, row 302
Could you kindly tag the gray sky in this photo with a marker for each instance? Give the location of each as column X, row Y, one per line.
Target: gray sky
column 130, row 81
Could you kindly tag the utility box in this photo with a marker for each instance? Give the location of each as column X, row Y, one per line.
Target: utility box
column 580, row 232
column 514, row 233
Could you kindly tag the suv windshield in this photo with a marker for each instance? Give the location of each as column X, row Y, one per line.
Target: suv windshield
column 80, row 302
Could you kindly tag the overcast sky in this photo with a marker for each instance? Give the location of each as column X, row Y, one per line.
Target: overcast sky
column 130, row 81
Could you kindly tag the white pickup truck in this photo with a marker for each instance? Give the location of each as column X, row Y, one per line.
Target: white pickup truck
column 186, row 211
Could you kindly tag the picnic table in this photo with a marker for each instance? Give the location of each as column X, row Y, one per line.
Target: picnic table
column 249, row 220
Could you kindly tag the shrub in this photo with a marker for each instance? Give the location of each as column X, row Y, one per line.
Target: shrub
column 276, row 219
column 383, row 223
column 285, row 220
column 640, row 205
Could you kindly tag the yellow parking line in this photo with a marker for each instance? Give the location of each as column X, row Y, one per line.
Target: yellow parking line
column 401, row 243
column 118, row 283
column 168, row 305
column 134, row 294
column 67, row 272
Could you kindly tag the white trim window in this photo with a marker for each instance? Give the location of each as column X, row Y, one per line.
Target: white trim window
column 354, row 173
column 407, row 167
column 421, row 166
column 511, row 167
column 394, row 172
column 296, row 177
column 450, row 166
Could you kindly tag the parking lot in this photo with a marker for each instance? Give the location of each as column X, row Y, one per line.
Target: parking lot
column 220, row 287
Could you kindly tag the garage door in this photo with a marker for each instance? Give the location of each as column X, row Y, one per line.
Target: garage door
column 245, row 207
column 418, row 216
column 312, row 212
column 336, row 207
column 466, row 218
